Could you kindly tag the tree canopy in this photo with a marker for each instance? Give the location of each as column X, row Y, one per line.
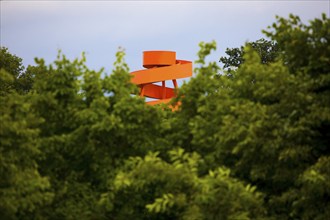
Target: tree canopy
column 251, row 143
column 267, row 50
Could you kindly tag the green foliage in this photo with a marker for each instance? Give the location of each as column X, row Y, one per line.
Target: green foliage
column 252, row 143
column 306, row 47
column 181, row 193
column 314, row 186
column 76, row 128
column 267, row 50
column 268, row 124
column 22, row 80
column 22, row 188
column 10, row 62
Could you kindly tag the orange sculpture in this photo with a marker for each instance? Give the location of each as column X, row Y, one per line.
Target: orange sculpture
column 161, row 66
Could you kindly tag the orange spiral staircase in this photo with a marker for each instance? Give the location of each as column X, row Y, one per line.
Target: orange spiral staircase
column 161, row 66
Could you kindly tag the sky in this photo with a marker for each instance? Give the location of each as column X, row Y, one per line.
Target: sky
column 40, row 28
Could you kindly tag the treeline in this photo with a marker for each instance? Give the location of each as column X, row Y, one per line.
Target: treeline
column 249, row 140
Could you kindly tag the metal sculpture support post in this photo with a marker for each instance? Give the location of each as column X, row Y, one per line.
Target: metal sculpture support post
column 161, row 66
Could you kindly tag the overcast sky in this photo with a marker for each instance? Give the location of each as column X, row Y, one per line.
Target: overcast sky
column 40, row 28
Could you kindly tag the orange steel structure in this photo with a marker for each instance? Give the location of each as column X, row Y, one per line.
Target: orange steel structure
column 161, row 66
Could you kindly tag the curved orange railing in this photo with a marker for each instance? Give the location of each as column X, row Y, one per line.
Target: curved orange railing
column 161, row 66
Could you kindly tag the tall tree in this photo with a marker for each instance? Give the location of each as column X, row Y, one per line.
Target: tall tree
column 22, row 187
column 266, row 49
column 22, row 78
column 270, row 123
